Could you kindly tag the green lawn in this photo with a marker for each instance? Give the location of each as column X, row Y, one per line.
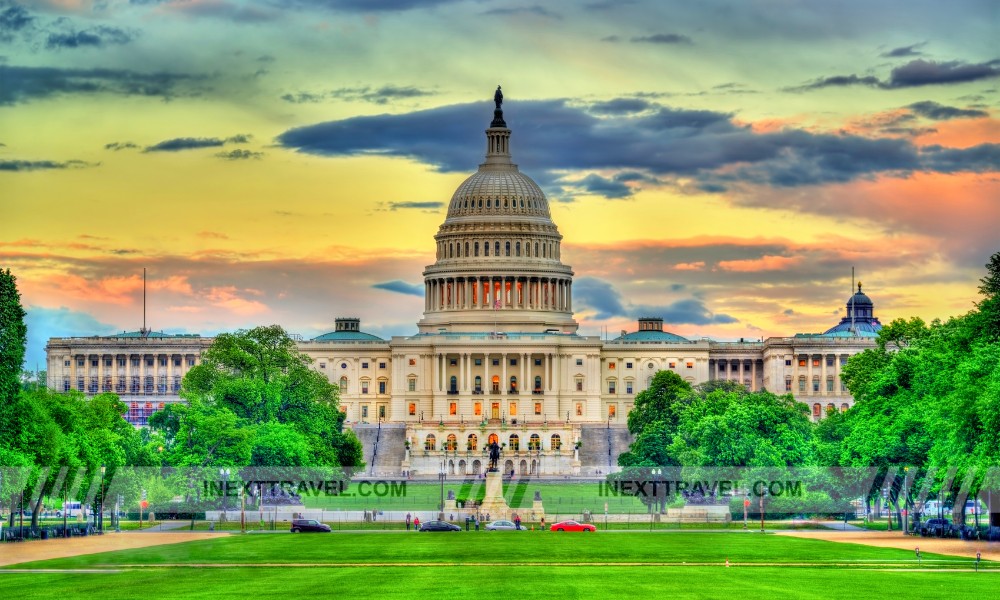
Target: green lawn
column 505, row 564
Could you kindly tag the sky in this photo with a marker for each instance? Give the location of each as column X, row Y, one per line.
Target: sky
column 720, row 164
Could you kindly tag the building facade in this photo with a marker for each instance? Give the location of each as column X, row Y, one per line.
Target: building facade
column 496, row 355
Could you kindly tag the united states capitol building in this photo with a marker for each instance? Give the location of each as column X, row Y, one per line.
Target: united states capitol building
column 495, row 356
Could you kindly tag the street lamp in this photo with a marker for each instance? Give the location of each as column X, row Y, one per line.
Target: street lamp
column 100, row 513
column 224, row 473
column 441, row 476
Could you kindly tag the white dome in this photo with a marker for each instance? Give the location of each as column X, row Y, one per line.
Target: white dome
column 498, row 190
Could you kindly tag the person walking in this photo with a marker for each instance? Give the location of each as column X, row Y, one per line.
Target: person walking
column 407, row 521
column 517, row 521
column 416, row 523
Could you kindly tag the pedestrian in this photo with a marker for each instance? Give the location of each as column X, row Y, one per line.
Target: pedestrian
column 543, row 522
column 416, row 524
column 517, row 521
column 407, row 521
column 476, row 521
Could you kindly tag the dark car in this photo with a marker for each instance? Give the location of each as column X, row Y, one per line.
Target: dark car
column 935, row 527
column 439, row 526
column 309, row 525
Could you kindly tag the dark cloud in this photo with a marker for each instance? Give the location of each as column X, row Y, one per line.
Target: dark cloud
column 229, row 11
column 360, row 6
column 608, row 4
column 662, row 38
column 187, row 143
column 940, row 112
column 42, row 165
column 96, row 37
column 913, row 74
column 401, row 287
column 614, row 39
column 382, row 95
column 904, row 51
column 21, row 84
column 555, row 137
column 239, row 154
column 602, row 186
column 525, row 10
column 14, row 18
column 415, row 205
column 116, row 146
column 607, row 303
column 239, row 138
column 983, row 158
column 620, row 106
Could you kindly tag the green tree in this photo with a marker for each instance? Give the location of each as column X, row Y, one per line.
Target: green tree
column 13, row 338
column 660, row 402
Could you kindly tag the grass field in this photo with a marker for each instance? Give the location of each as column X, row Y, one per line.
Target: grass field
column 509, row 564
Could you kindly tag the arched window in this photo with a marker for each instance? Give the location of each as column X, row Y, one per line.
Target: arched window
column 515, row 442
column 493, row 439
column 536, row 249
column 555, row 442
column 466, row 248
column 844, row 407
column 538, row 383
column 507, row 248
column 479, row 384
column 513, row 383
column 430, row 442
column 475, row 249
column 452, row 444
column 496, row 384
column 451, row 250
column 517, row 249
column 473, row 442
column 817, row 410
column 543, row 250
column 496, row 248
column 830, row 408
column 343, row 384
column 534, row 442
column 486, row 248
column 454, row 384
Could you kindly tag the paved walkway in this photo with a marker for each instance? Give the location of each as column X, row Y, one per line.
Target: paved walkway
column 840, row 526
column 895, row 539
column 21, row 552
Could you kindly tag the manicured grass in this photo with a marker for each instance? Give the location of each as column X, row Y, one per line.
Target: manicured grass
column 501, row 582
column 533, row 548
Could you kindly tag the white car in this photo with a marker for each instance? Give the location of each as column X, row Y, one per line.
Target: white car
column 501, row 525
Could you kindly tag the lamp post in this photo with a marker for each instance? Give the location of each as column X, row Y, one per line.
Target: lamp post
column 224, row 473
column 100, row 509
column 441, row 476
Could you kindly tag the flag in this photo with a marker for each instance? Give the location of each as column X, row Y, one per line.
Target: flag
column 496, row 305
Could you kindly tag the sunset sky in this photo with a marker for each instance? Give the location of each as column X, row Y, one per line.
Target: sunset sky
column 722, row 165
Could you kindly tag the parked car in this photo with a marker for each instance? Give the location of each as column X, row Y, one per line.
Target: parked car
column 311, row 525
column 439, row 526
column 501, row 525
column 572, row 526
column 935, row 527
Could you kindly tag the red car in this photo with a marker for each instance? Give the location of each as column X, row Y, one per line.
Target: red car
column 571, row 526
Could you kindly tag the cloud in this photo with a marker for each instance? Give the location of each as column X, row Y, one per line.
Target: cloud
column 599, row 296
column 42, row 165
column 239, row 154
column 525, row 10
column 21, row 84
column 191, row 143
column 663, row 38
column 556, row 137
column 239, row 138
column 96, row 37
column 430, row 206
column 219, row 9
column 940, row 112
column 620, row 106
column 620, row 185
column 904, row 51
column 360, row 6
column 116, row 146
column 14, row 18
column 606, row 302
column 915, row 73
column 382, row 95
column 401, row 287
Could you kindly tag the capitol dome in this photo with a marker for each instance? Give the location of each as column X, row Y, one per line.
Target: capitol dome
column 498, row 265
column 860, row 320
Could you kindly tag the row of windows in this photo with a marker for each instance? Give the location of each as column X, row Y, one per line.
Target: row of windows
column 364, row 365
column 366, row 384
column 815, row 361
column 612, row 365
column 132, row 385
column 472, row 442
column 495, row 203
column 818, row 409
column 815, row 385
column 454, row 250
column 81, row 362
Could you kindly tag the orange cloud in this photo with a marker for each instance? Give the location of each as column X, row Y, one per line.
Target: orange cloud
column 962, row 133
column 764, row 263
column 692, row 266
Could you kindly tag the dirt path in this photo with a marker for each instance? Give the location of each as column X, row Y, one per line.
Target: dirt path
column 888, row 539
column 15, row 553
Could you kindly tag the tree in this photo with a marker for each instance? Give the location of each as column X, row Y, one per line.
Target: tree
column 660, row 402
column 13, row 338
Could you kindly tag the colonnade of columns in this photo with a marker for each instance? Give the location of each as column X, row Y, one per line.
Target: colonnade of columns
column 498, row 292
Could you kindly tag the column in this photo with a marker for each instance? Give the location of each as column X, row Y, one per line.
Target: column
column 546, row 361
column 100, row 373
column 753, row 375
column 503, row 378
column 809, row 373
column 524, row 374
column 569, row 296
column 170, row 374
column 822, row 378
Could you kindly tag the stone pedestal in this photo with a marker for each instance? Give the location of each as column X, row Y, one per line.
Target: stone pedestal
column 493, row 501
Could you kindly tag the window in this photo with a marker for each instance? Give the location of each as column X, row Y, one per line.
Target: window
column 538, row 383
column 496, row 362
column 843, row 360
column 513, row 362
column 496, row 384
column 579, row 409
column 486, row 248
column 802, row 386
column 513, row 383
column 453, row 385
column 190, row 362
column 479, row 385
column 513, row 409
column 534, row 442
column 452, row 408
column 650, row 366
column 788, row 385
column 628, row 387
column 381, row 411
column 343, row 365
column 364, row 365
column 177, row 362
column 611, row 366
column 816, row 410
column 507, row 248
column 413, row 362
column 479, row 362
column 430, row 442
column 816, row 385
column 412, row 384
column 343, row 384
column 579, row 362
column 829, row 361
column 121, row 362
column 79, row 362
column 802, row 362
column 163, row 361
column 611, row 386
column 66, row 384
column 736, row 367
column 473, row 442
column 475, row 249
column 722, row 367
column 690, row 365
column 149, row 361
column 555, row 442
column 93, row 362
column 364, row 387
column 322, row 365
column 579, row 384
column 496, row 248
column 788, row 362
column 628, row 365
column 829, row 385
column 381, row 365
column 538, row 408
column 66, row 363
column 815, row 362
column 477, row 408
column 612, row 411
column 453, row 362
column 381, row 387
column 515, row 442
column 673, row 365
column 412, row 409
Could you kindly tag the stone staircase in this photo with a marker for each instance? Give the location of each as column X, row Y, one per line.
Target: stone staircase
column 600, row 447
column 383, row 448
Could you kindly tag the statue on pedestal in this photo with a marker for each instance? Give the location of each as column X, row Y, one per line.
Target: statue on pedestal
column 494, row 456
